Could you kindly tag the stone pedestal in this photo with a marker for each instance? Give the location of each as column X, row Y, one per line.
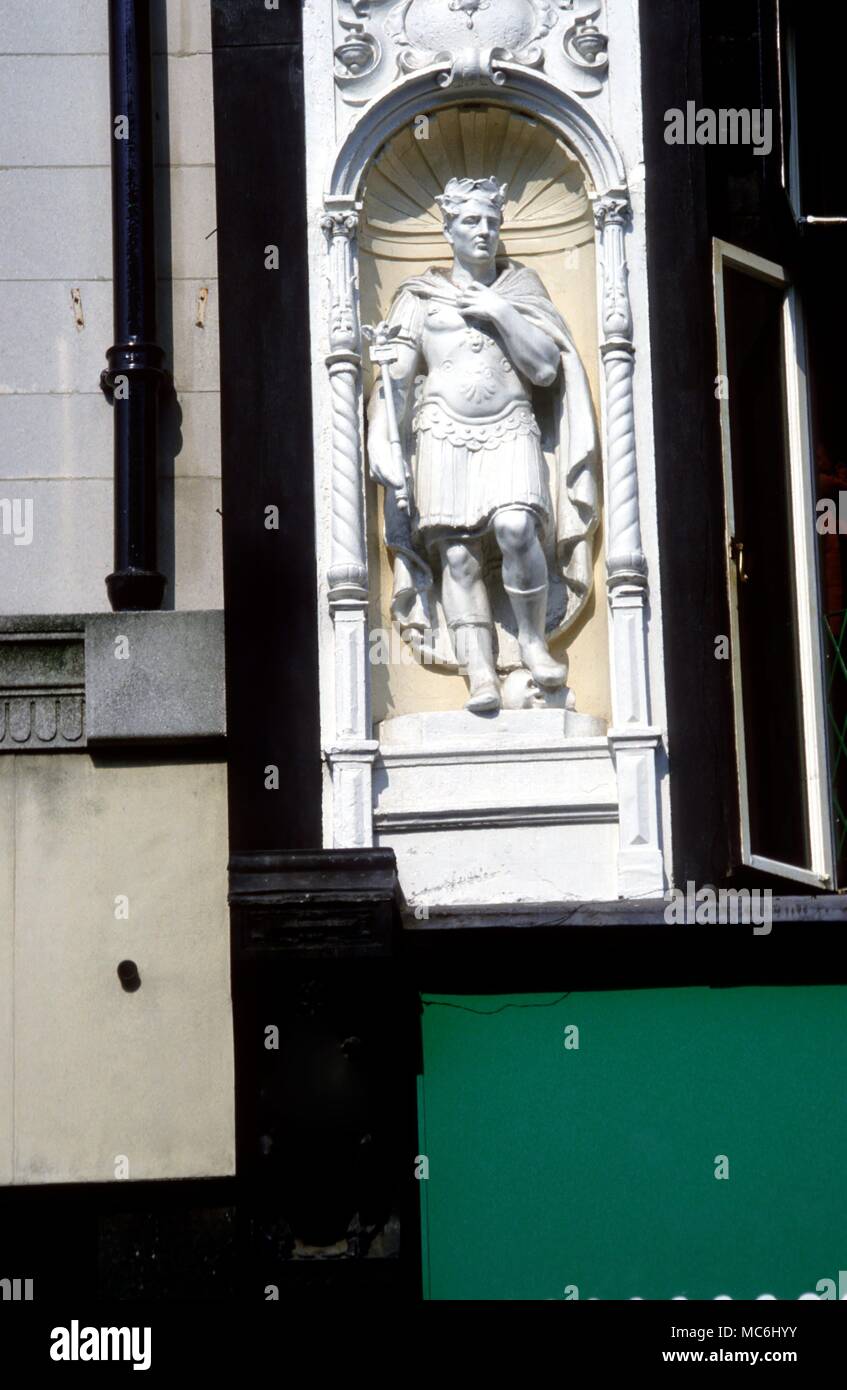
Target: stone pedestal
column 518, row 807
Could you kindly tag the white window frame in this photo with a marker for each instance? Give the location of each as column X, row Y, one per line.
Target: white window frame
column 808, row 615
column 789, row 106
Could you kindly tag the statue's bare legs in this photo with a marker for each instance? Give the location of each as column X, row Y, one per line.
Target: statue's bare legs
column 525, row 581
column 468, row 610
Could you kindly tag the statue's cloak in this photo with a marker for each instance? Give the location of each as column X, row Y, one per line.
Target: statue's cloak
column 569, row 433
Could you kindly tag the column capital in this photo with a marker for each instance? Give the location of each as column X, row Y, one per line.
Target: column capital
column 340, row 223
column 612, row 210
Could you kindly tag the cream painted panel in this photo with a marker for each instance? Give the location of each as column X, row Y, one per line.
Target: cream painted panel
column 99, row 1072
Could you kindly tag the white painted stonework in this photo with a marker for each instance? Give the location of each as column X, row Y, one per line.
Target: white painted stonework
column 523, row 804
column 499, row 812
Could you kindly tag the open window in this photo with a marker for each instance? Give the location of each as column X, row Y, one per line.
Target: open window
column 776, row 644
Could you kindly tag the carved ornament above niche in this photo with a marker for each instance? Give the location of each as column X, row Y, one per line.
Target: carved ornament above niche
column 379, row 41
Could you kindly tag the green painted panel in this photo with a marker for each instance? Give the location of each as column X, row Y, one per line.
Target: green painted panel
column 595, row 1166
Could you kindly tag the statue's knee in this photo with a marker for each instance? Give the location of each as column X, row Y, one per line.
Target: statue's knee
column 515, row 531
column 463, row 566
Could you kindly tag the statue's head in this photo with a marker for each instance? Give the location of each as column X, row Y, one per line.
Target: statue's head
column 520, row 691
column 473, row 214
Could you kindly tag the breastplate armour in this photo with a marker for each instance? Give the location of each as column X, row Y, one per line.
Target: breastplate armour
column 468, row 368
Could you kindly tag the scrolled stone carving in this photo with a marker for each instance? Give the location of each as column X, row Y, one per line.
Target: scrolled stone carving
column 358, row 53
column 611, row 209
column 466, row 42
column 470, row 8
column 426, row 31
column 341, row 224
column 584, row 44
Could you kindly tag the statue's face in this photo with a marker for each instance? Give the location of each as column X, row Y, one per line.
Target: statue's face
column 474, row 231
column 521, row 692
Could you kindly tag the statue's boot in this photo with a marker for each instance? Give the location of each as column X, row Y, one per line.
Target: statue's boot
column 475, row 654
column 530, row 609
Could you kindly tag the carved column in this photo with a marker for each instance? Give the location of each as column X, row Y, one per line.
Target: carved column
column 352, row 753
column 633, row 741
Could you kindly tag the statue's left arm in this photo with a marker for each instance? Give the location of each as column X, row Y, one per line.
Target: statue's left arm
column 533, row 352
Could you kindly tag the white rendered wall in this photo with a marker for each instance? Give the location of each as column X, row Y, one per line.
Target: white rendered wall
column 55, row 237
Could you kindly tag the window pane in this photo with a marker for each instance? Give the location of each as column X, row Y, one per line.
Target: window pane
column 767, row 606
column 817, row 84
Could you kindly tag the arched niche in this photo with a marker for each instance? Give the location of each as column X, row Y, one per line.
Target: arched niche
column 509, row 85
column 548, row 225
column 482, row 79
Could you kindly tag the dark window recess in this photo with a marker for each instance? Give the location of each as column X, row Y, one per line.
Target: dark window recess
column 767, row 601
column 819, row 82
column 747, row 205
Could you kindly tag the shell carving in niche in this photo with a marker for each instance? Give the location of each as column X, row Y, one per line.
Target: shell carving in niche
column 546, row 201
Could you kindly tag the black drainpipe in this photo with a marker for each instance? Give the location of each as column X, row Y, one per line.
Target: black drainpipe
column 135, row 372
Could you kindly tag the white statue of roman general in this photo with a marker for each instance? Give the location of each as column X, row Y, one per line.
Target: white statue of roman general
column 487, row 447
